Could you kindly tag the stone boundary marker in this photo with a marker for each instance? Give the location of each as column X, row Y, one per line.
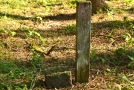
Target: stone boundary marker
column 83, row 20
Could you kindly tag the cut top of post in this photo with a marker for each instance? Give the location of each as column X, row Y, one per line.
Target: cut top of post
column 84, row 2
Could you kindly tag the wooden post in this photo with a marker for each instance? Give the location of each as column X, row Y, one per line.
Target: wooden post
column 83, row 20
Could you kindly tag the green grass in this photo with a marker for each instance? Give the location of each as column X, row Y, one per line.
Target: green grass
column 14, row 77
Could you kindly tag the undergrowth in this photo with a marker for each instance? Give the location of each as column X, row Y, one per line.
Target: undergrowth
column 22, row 30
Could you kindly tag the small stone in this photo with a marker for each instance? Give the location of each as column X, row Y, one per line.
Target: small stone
column 58, row 79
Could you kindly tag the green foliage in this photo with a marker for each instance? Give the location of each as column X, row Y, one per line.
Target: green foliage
column 120, row 51
column 8, row 32
column 11, row 75
column 21, row 87
column 71, row 29
column 39, row 19
column 94, row 57
column 10, row 71
column 73, row 2
column 4, row 54
column 128, row 24
column 32, row 33
column 129, row 39
column 127, row 83
column 110, row 11
column 36, row 60
column 93, row 54
column 131, row 27
column 8, row 67
column 14, row 3
column 24, row 3
column 125, row 23
column 44, row 2
column 129, row 2
column 126, row 55
column 131, row 57
column 121, row 56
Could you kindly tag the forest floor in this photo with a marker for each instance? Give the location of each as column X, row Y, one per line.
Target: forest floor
column 37, row 35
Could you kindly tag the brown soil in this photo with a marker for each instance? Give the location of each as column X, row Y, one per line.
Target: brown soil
column 53, row 31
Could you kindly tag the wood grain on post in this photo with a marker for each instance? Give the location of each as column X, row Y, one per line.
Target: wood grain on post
column 83, row 20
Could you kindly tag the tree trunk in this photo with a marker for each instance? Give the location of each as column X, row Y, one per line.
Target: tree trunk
column 98, row 5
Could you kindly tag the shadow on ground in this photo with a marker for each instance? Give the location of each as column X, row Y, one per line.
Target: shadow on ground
column 57, row 17
column 126, row 24
column 61, row 17
column 16, row 16
column 109, row 25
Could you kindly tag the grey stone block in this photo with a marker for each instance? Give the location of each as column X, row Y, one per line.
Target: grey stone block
column 57, row 77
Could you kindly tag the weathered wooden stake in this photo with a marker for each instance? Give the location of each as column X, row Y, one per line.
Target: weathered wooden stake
column 83, row 20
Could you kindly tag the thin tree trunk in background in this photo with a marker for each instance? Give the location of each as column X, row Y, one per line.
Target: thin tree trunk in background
column 98, row 5
column 83, row 21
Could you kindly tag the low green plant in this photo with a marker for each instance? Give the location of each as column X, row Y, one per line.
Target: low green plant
column 14, row 3
column 8, row 32
column 32, row 33
column 73, row 2
column 131, row 63
column 93, row 54
column 127, row 87
column 128, row 24
column 110, row 71
column 9, row 68
column 129, row 39
column 39, row 19
column 124, row 78
column 21, row 87
column 111, row 11
column 130, row 55
column 129, row 3
column 120, row 51
column 13, row 77
column 131, row 27
column 9, row 73
column 4, row 54
column 36, row 60
column 126, row 56
column 43, row 2
column 71, row 29
column 119, row 57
